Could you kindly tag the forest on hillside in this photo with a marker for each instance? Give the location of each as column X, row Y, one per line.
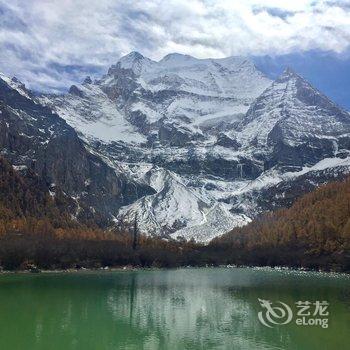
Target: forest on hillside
column 38, row 231
column 314, row 232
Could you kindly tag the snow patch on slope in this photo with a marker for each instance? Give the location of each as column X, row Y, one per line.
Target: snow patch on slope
column 172, row 207
column 94, row 115
column 217, row 221
column 274, row 176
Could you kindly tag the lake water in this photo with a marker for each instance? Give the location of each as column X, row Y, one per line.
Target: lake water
column 170, row 309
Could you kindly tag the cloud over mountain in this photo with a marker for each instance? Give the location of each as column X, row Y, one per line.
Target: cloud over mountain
column 54, row 43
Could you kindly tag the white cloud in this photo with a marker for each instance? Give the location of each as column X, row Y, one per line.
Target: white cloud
column 52, row 43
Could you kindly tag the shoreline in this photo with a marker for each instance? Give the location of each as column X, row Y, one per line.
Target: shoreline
column 129, row 268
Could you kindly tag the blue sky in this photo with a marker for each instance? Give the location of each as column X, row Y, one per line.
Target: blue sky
column 50, row 44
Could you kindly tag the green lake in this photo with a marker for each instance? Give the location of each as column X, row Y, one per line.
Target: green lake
column 204, row 308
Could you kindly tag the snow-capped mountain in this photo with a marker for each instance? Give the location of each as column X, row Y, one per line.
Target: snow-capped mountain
column 169, row 101
column 214, row 139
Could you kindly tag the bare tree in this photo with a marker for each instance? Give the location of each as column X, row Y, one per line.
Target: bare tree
column 135, row 234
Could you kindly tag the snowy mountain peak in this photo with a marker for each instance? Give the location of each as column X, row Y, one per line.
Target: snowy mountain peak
column 176, row 58
column 15, row 84
column 131, row 57
column 296, row 87
column 135, row 55
column 291, row 112
column 169, row 101
column 290, row 86
column 287, row 74
column 87, row 80
column 134, row 61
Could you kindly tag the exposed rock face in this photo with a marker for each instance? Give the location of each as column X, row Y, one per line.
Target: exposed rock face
column 87, row 81
column 74, row 90
column 174, row 135
column 225, row 141
column 32, row 136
